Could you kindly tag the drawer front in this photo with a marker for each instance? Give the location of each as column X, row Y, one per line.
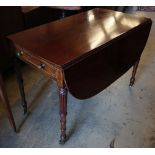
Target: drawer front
column 43, row 66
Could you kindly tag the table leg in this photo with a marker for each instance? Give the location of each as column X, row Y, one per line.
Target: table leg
column 3, row 96
column 132, row 79
column 20, row 83
column 63, row 112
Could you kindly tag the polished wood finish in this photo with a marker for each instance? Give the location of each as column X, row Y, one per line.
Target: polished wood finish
column 84, row 53
column 75, row 36
column 5, row 101
column 113, row 60
column 86, row 36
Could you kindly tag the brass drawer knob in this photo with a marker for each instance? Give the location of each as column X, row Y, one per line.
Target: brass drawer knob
column 19, row 53
column 41, row 66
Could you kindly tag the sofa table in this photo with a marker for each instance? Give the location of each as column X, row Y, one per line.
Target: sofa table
column 84, row 53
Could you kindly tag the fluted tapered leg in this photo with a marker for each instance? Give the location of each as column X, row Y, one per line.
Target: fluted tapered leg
column 5, row 101
column 132, row 79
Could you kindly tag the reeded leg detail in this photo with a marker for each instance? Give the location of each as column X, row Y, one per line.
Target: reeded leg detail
column 3, row 96
column 20, row 84
column 63, row 113
column 132, row 79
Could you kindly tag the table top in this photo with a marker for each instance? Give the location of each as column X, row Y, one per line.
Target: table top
column 68, row 39
column 88, row 51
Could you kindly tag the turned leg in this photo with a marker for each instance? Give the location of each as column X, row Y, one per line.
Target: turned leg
column 63, row 112
column 132, row 79
column 4, row 98
column 20, row 83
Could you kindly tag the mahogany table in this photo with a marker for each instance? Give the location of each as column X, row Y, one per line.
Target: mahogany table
column 84, row 53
